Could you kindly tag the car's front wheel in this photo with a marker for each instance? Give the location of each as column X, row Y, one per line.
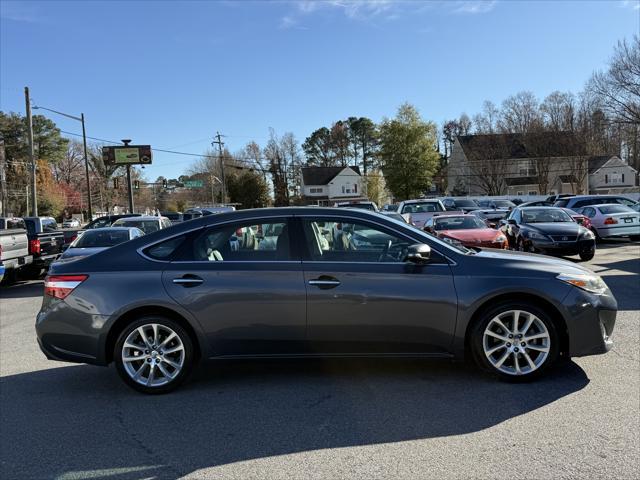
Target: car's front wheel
column 587, row 255
column 154, row 354
column 515, row 341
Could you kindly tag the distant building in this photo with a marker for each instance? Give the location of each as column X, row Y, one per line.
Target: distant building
column 611, row 174
column 326, row 185
column 518, row 164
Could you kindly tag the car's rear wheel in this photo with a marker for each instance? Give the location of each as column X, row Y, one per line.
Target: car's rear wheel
column 154, row 354
column 515, row 341
column 587, row 255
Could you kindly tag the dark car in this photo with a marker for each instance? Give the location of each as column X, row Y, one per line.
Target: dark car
column 464, row 205
column 158, row 303
column 99, row 239
column 548, row 230
column 537, row 203
column 497, row 204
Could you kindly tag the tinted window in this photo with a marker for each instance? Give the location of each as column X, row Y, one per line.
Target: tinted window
column 337, row 241
column 164, row 250
column 459, row 223
column 14, row 223
column 101, row 238
column 517, row 216
column 589, row 212
column 422, row 207
column 615, row 209
column 254, row 242
column 100, row 223
column 465, row 203
column 564, row 203
column 49, row 225
column 545, row 216
column 147, row 226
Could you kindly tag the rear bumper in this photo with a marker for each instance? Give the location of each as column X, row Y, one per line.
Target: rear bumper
column 45, row 260
column 619, row 231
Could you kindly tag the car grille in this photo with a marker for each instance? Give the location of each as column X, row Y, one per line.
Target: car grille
column 564, row 238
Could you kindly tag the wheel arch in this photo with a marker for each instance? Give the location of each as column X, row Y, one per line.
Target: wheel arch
column 512, row 297
column 131, row 315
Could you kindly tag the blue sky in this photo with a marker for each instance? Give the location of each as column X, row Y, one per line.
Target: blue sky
column 172, row 73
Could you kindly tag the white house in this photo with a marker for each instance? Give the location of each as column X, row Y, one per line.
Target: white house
column 326, row 185
column 611, row 174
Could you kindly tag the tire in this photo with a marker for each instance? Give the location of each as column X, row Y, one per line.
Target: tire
column 520, row 245
column 488, row 350
column 31, row 272
column 595, row 232
column 169, row 369
column 586, row 256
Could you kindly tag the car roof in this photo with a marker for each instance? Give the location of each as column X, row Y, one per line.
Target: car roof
column 421, row 200
column 143, row 217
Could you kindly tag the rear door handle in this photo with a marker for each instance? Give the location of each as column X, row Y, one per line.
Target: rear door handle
column 324, row 283
column 188, row 281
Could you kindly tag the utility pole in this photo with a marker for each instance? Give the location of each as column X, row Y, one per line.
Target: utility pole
column 126, row 143
column 34, row 199
column 86, row 168
column 3, row 179
column 219, row 142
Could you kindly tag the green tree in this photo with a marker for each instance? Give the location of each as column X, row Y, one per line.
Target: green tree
column 318, row 148
column 248, row 188
column 363, row 135
column 408, row 152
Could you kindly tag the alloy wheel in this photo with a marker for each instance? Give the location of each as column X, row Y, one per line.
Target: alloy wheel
column 153, row 355
column 516, row 342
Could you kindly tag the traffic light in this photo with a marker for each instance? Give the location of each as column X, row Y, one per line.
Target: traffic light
column 164, row 183
column 115, row 183
column 136, row 184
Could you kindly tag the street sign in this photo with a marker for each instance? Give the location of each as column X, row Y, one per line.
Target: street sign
column 127, row 155
column 193, row 183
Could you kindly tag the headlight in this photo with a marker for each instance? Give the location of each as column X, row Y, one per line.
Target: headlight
column 500, row 239
column 537, row 236
column 586, row 233
column 590, row 283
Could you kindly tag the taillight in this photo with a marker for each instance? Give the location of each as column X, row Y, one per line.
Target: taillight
column 34, row 247
column 610, row 221
column 60, row 286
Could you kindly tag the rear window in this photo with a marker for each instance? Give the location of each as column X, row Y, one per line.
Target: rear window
column 615, row 209
column 147, row 226
column 164, row 250
column 101, row 238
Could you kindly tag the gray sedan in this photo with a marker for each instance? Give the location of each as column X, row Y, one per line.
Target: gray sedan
column 99, row 239
column 200, row 290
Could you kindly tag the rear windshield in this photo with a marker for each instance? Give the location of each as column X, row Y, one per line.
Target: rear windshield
column 101, row 238
column 616, row 209
column 147, row 226
column 504, row 204
column 465, row 203
column 422, row 207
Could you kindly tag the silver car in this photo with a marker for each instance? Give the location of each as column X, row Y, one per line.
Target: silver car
column 613, row 220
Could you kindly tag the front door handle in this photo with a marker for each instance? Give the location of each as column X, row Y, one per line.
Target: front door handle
column 188, row 281
column 324, row 283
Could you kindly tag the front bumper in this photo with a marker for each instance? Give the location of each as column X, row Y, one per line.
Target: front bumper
column 564, row 248
column 590, row 322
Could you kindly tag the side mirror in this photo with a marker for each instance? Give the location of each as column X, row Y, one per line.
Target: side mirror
column 511, row 221
column 419, row 254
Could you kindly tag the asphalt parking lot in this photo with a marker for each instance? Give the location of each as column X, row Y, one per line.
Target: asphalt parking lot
column 324, row 419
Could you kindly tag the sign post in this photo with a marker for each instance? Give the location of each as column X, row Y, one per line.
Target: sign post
column 127, row 155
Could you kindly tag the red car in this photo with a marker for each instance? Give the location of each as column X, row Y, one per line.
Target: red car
column 468, row 230
column 579, row 218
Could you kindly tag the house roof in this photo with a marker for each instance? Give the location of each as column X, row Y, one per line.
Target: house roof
column 596, row 162
column 322, row 175
column 517, row 181
column 521, row 145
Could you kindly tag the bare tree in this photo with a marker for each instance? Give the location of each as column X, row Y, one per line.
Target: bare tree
column 558, row 110
column 520, row 113
column 486, row 122
column 578, row 173
column 69, row 168
column 618, row 88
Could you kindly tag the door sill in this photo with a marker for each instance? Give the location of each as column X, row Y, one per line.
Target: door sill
column 336, row 355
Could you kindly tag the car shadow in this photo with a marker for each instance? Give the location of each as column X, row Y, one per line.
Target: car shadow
column 82, row 422
column 22, row 289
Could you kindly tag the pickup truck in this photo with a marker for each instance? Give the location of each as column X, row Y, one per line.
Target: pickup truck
column 417, row 212
column 45, row 243
column 14, row 248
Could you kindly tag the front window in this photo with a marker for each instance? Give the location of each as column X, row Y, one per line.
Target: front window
column 338, row 241
column 101, row 238
column 422, row 207
column 545, row 216
column 459, row 223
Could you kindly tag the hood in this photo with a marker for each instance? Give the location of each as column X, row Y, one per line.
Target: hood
column 531, row 261
column 483, row 234
column 555, row 228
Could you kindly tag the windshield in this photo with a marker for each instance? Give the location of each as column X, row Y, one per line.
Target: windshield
column 459, row 223
column 422, row 207
column 504, row 204
column 465, row 203
column 147, row 226
column 615, row 209
column 101, row 238
column 545, row 216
